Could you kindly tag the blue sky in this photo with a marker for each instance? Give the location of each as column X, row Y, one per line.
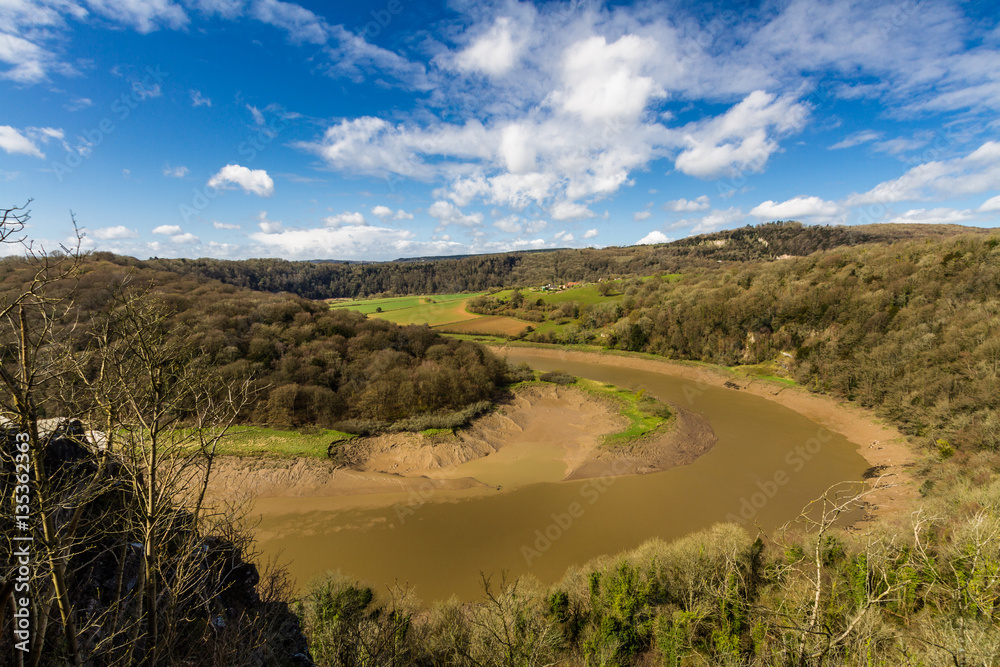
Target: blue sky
column 393, row 128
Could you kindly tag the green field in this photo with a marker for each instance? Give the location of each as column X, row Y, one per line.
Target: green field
column 272, row 442
column 387, row 304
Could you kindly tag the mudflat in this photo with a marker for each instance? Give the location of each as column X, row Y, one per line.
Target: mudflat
column 543, row 433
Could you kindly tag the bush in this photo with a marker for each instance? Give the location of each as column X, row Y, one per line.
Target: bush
column 558, row 377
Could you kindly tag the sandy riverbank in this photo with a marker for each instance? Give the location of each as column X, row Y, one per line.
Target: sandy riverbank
column 542, row 433
column 880, row 444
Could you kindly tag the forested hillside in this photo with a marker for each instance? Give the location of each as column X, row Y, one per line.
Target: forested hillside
column 324, row 280
column 908, row 328
column 312, row 365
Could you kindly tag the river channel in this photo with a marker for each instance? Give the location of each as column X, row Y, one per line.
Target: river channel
column 768, row 463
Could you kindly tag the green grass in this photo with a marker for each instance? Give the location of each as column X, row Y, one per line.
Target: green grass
column 644, row 413
column 639, row 409
column 271, row 442
column 388, row 304
column 431, row 432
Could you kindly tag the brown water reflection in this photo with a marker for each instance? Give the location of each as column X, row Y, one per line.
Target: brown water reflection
column 768, row 459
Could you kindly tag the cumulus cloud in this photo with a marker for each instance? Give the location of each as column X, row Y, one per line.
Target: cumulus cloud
column 684, row 205
column 175, row 172
column 254, row 181
column 655, row 236
column 269, row 226
column 184, row 239
column 116, row 232
column 990, row 205
column 642, row 215
column 494, row 52
column 345, row 242
column 795, row 209
column 225, row 225
column 934, row 216
column 590, row 233
column 447, row 213
column 511, row 224
column 570, row 211
column 742, row 139
column 385, row 213
column 168, row 230
column 346, row 218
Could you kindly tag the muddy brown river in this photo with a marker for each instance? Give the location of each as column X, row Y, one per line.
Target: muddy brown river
column 768, row 463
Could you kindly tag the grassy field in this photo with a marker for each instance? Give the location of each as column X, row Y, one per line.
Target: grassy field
column 431, row 314
column 488, row 325
column 388, row 304
column 271, row 442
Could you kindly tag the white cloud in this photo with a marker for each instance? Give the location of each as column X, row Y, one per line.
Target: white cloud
column 14, row 143
column 604, row 82
column 199, row 100
column 116, row 232
column 78, row 103
column 346, row 242
column 511, row 224
column 794, row 209
column 29, row 62
column 857, row 138
column 447, row 213
column 301, row 24
column 494, row 52
column 168, row 230
column 570, row 211
column 642, row 215
column 742, row 139
column 655, row 236
column 590, row 233
column 269, row 226
column 979, row 171
column 385, row 213
column 255, row 181
column 258, row 115
column 184, row 239
column 712, row 221
column 563, row 237
column 175, row 172
column 934, row 216
column 346, row 218
column 225, row 225
column 990, row 205
column 144, row 17
column 698, row 204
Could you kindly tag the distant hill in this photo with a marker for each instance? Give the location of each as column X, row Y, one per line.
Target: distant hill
column 430, row 275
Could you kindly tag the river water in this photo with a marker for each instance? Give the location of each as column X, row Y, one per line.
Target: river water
column 768, row 463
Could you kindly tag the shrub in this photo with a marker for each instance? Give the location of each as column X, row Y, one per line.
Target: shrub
column 558, row 377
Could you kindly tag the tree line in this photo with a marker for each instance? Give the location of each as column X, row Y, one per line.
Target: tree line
column 331, row 279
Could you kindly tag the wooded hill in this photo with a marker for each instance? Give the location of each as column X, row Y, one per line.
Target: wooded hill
column 325, row 280
column 312, row 366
